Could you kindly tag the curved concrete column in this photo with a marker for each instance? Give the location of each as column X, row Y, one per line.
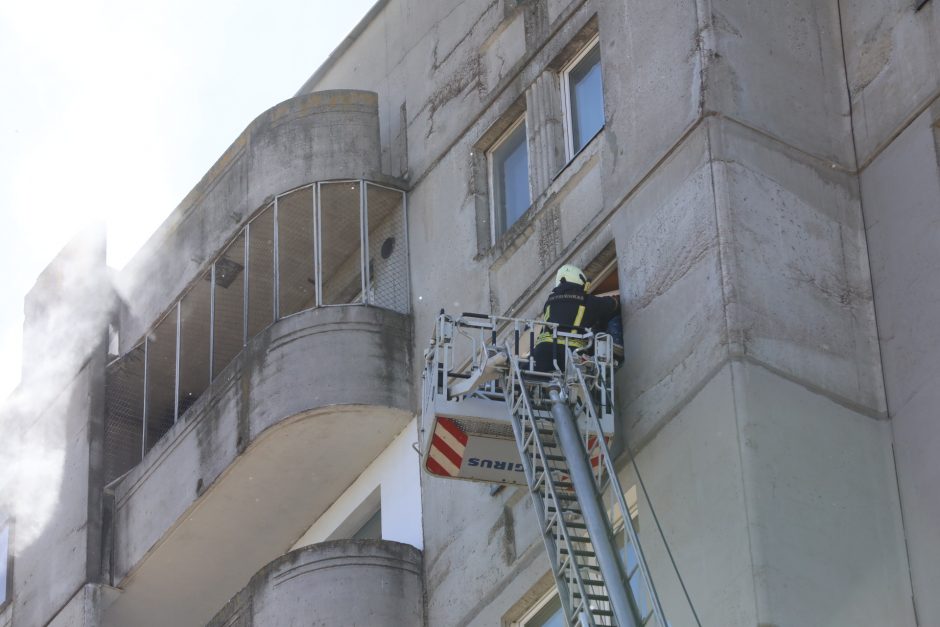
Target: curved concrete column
column 344, row 582
column 265, row 451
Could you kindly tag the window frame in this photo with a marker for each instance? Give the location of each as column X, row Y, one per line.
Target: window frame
column 495, row 216
column 566, row 109
column 7, row 523
column 535, row 608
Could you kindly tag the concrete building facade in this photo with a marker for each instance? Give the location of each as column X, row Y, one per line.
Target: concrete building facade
column 223, row 433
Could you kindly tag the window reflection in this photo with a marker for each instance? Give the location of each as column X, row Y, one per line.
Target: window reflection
column 586, row 99
column 509, row 163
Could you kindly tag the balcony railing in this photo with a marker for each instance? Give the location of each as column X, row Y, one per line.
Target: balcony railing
column 320, row 245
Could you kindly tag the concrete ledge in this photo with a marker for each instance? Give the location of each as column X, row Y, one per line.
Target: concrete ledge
column 274, row 441
column 345, row 582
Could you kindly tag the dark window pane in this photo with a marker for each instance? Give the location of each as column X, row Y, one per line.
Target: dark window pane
column 124, row 390
column 295, row 251
column 261, row 272
column 511, row 178
column 194, row 343
column 388, row 257
column 161, row 379
column 341, row 238
column 229, row 304
column 587, row 99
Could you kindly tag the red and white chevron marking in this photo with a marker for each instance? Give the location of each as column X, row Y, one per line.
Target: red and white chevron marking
column 447, row 447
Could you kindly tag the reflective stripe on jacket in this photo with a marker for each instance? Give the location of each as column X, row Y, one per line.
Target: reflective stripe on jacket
column 576, row 312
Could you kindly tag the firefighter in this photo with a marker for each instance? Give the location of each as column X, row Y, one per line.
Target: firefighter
column 574, row 311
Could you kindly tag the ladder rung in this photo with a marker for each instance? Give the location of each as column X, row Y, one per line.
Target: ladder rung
column 593, row 597
column 578, row 552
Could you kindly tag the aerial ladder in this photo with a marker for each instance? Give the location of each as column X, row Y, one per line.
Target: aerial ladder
column 491, row 417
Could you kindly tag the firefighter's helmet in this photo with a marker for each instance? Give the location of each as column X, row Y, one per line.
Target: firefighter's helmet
column 570, row 274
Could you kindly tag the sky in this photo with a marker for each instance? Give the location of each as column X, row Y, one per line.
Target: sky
column 112, row 111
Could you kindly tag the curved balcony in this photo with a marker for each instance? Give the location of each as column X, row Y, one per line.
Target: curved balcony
column 346, row 582
column 273, row 441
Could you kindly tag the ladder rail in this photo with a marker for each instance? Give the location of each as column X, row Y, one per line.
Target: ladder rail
column 558, row 566
column 614, row 485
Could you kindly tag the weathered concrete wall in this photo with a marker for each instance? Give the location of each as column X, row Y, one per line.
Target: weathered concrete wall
column 725, row 176
column 53, row 431
column 86, row 608
column 894, row 81
column 359, row 583
column 327, row 135
column 284, row 417
column 891, row 55
column 901, row 197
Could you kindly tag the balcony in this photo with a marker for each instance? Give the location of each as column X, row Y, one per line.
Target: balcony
column 273, row 441
column 265, row 346
column 346, row 582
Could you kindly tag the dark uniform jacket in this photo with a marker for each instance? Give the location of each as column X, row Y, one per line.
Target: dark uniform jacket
column 574, row 312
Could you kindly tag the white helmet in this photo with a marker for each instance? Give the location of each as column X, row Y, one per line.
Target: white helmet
column 570, row 274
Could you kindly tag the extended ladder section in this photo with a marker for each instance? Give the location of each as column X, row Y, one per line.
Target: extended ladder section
column 560, row 425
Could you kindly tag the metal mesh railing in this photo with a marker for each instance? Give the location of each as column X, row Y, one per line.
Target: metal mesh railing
column 388, row 251
column 340, row 243
column 123, row 427
column 296, row 272
column 261, row 271
column 160, row 410
column 273, row 261
column 228, row 324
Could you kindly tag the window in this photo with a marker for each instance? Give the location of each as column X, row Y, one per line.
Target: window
column 546, row 613
column 508, row 162
column 583, row 98
column 6, row 562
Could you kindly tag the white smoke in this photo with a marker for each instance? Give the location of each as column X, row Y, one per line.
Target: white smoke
column 44, row 423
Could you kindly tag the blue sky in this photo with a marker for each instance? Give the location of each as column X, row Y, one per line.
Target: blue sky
column 114, row 110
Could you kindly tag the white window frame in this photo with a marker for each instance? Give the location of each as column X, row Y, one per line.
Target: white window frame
column 536, row 608
column 494, row 211
column 566, row 95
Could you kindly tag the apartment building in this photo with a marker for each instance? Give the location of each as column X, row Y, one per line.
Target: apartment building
column 228, row 431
